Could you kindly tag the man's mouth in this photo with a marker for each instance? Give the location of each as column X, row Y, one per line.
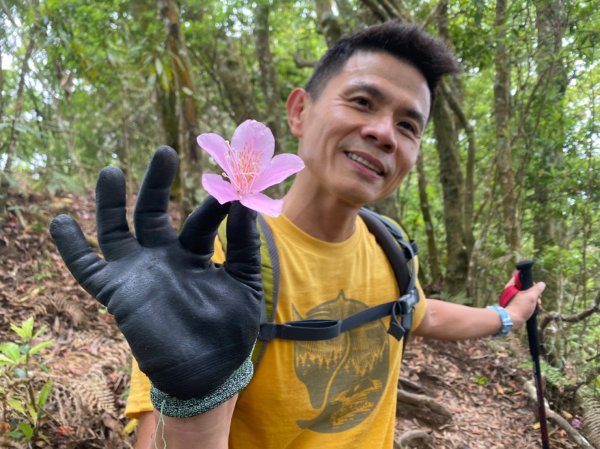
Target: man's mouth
column 362, row 161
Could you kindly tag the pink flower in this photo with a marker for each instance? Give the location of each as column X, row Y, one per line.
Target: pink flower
column 249, row 166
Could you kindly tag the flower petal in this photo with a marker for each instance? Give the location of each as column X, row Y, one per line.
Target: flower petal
column 261, row 203
column 255, row 136
column 217, row 147
column 279, row 168
column 219, row 188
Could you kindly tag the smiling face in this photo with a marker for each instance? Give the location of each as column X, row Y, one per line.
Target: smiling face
column 361, row 135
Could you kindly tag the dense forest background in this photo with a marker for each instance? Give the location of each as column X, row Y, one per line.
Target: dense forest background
column 509, row 167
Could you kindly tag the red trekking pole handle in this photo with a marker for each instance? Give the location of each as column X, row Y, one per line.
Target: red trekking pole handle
column 526, row 278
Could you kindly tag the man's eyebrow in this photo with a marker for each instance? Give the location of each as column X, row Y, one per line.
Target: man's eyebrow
column 376, row 93
column 368, row 88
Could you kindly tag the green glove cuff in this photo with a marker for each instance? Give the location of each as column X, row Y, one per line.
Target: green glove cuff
column 185, row 408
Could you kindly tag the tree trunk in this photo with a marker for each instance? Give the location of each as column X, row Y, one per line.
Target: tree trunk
column 67, row 137
column 549, row 141
column 124, row 150
column 268, row 75
column 1, row 88
column 388, row 10
column 451, row 178
column 432, row 251
column 327, row 22
column 457, row 108
column 11, row 143
column 510, row 218
column 388, row 207
column 188, row 117
column 237, row 87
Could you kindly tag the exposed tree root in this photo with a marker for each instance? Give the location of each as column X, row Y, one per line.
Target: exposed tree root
column 557, row 419
column 423, row 408
column 414, row 439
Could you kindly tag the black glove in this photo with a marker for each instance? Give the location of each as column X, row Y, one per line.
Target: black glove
column 191, row 324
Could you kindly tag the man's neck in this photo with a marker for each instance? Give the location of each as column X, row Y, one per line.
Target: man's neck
column 319, row 215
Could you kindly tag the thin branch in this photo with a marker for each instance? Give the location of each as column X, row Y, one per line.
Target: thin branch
column 432, row 15
column 376, row 9
column 302, row 63
column 6, row 13
column 555, row 316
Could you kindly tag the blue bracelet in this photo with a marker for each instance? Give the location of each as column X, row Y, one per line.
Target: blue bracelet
column 507, row 323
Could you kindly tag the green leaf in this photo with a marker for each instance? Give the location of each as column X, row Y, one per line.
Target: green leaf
column 481, row 380
column 26, row 429
column 187, row 91
column 44, row 394
column 11, row 352
column 39, row 332
column 33, row 414
column 37, row 348
column 25, row 331
column 16, row 405
column 159, row 66
column 163, row 80
column 15, row 434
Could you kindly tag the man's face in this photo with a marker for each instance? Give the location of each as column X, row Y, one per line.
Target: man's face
column 361, row 136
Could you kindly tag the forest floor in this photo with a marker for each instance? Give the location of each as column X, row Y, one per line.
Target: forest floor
column 480, row 383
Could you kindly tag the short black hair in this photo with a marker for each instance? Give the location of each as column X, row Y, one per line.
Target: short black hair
column 406, row 42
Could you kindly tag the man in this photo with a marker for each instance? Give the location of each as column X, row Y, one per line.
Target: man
column 192, row 324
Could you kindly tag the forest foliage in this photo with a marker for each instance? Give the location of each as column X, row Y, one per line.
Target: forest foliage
column 509, row 166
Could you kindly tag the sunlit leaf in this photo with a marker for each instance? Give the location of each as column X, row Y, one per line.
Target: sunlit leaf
column 37, row 348
column 44, row 394
column 11, row 351
column 16, row 405
column 26, row 429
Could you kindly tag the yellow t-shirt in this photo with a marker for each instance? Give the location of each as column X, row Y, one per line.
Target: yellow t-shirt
column 326, row 394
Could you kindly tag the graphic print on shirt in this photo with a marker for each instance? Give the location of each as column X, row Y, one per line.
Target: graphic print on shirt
column 345, row 377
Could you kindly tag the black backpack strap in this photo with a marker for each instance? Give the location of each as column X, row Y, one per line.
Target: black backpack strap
column 399, row 310
column 390, row 238
column 267, row 312
column 274, row 256
column 392, row 228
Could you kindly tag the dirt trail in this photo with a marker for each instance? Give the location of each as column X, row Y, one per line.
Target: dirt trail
column 478, row 382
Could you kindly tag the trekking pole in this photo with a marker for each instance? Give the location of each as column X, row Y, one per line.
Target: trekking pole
column 526, row 278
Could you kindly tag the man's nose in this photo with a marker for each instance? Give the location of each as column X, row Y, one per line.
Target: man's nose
column 381, row 130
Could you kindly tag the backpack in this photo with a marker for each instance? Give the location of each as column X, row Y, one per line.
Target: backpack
column 401, row 255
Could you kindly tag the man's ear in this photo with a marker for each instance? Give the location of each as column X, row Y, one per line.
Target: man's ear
column 296, row 104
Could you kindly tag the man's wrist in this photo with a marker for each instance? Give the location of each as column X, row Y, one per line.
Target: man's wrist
column 186, row 408
column 505, row 319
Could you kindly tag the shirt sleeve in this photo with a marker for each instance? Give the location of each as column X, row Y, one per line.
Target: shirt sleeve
column 138, row 401
column 420, row 308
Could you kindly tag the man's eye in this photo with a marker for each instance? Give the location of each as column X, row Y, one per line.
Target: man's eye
column 362, row 101
column 408, row 126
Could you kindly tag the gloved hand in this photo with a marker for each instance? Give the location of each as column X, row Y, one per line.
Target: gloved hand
column 191, row 324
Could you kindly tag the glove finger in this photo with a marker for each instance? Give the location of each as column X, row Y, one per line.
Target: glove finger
column 82, row 262
column 111, row 220
column 200, row 228
column 151, row 216
column 243, row 244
